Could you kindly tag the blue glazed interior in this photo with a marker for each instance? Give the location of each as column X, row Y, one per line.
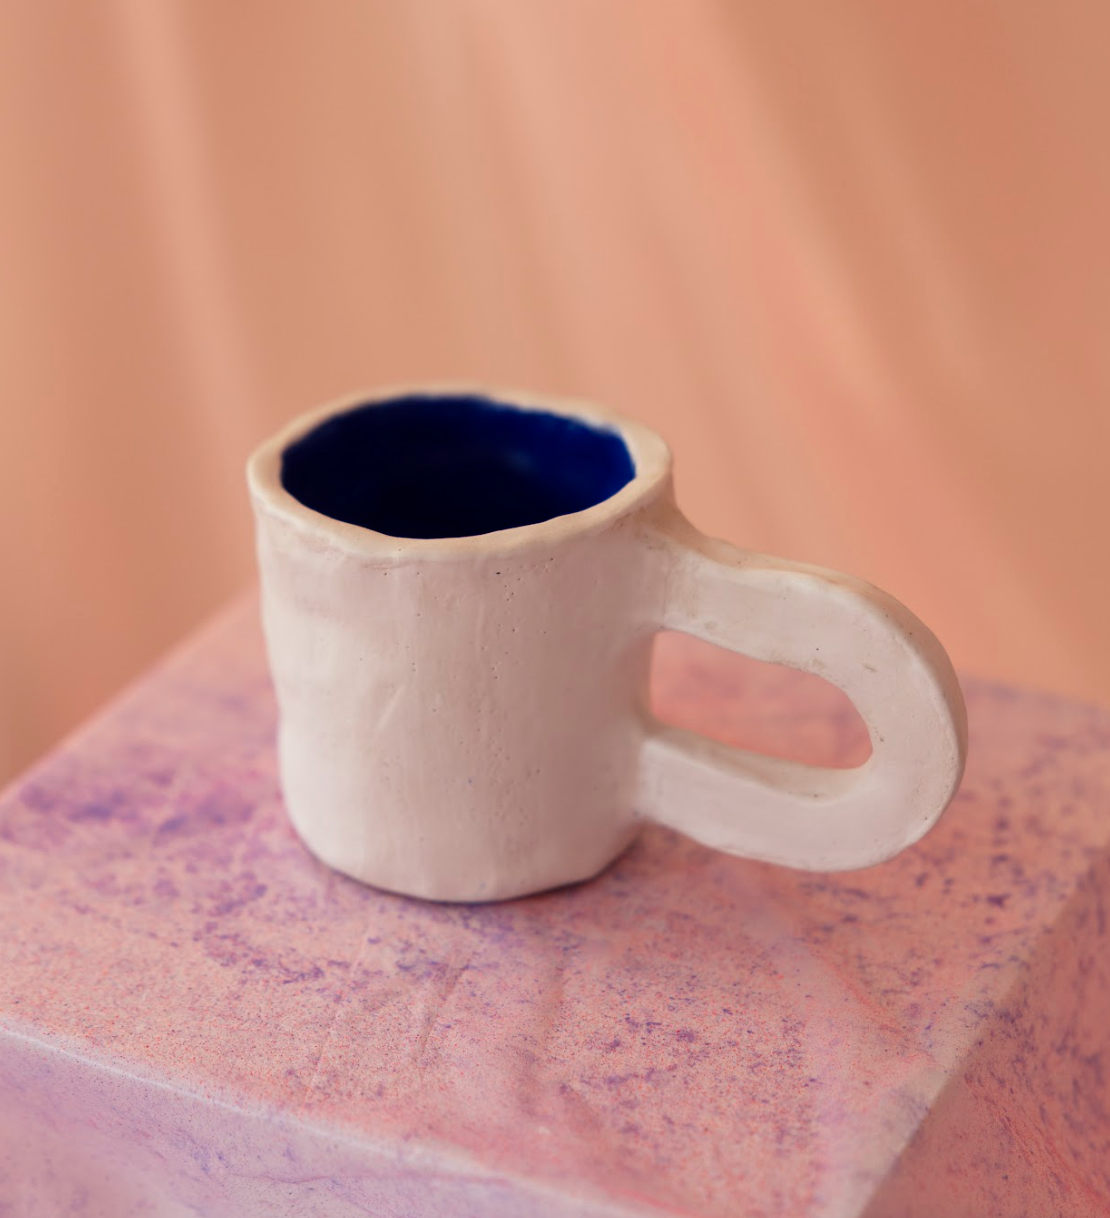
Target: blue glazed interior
column 452, row 466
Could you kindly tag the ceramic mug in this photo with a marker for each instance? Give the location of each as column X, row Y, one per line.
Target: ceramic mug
column 459, row 593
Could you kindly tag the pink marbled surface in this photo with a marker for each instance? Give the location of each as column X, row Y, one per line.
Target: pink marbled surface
column 198, row 1018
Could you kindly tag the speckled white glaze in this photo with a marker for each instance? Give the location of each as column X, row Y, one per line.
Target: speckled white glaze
column 465, row 718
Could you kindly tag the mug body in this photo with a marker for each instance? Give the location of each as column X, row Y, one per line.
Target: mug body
column 460, row 716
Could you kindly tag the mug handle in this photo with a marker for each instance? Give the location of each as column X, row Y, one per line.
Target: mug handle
column 840, row 628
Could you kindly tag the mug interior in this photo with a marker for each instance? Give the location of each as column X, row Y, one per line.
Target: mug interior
column 453, row 466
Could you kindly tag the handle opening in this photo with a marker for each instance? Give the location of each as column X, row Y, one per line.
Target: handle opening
column 750, row 704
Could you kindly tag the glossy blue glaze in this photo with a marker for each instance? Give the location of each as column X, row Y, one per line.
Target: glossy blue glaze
column 453, row 466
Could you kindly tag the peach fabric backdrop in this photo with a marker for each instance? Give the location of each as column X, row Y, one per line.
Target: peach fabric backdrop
column 850, row 259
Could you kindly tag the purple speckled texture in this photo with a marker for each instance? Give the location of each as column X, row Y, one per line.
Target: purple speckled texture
column 196, row 1017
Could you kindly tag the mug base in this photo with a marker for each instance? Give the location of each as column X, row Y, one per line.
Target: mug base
column 469, row 890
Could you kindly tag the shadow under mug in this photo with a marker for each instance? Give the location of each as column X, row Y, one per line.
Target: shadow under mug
column 460, row 590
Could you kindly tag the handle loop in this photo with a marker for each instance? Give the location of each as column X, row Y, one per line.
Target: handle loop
column 873, row 648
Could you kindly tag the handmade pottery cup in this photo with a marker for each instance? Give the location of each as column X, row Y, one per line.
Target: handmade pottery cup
column 459, row 594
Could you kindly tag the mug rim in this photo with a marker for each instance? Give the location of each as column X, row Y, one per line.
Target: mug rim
column 651, row 461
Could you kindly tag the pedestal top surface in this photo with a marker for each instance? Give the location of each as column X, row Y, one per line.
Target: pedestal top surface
column 688, row 1034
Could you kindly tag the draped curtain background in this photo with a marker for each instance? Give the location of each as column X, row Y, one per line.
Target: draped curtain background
column 850, row 259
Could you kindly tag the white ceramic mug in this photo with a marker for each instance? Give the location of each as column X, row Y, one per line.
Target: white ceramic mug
column 460, row 592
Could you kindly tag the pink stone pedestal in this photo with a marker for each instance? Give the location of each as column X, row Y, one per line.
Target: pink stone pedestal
column 197, row 1018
